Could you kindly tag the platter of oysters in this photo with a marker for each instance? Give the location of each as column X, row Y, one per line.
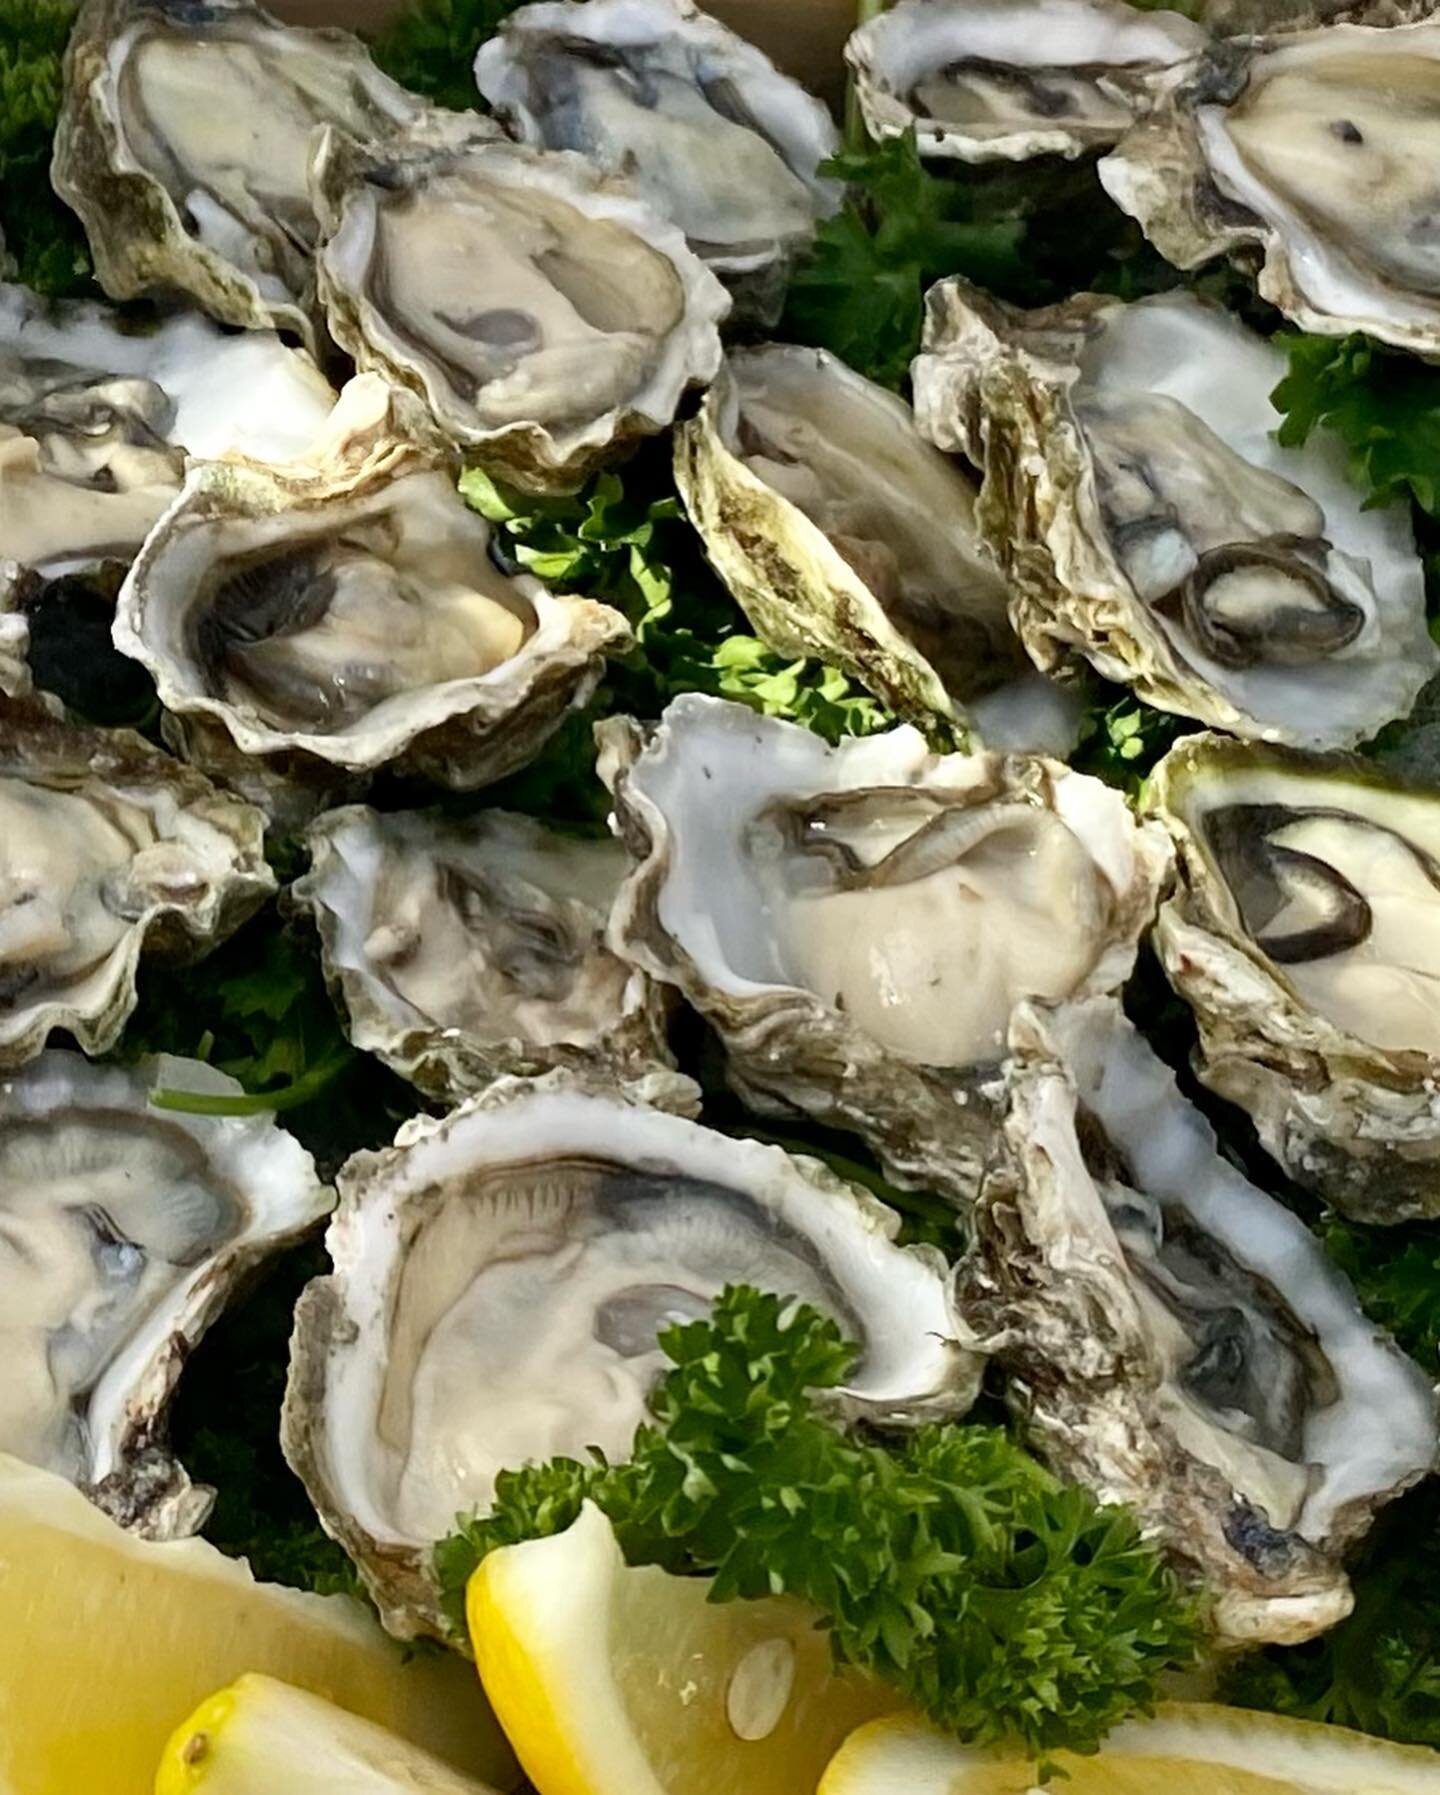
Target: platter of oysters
column 549, row 772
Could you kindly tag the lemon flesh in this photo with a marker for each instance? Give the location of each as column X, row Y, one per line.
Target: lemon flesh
column 107, row 1642
column 261, row 1737
column 1186, row 1749
column 618, row 1681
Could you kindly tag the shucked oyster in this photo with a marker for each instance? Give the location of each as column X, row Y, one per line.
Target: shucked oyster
column 544, row 313
column 183, row 145
column 108, row 848
column 988, row 80
column 1305, row 932
column 466, row 948
column 346, row 615
column 845, row 535
column 709, row 130
column 500, row 1278
column 858, row 922
column 123, row 1230
column 1179, row 1341
column 1308, row 155
column 1151, row 522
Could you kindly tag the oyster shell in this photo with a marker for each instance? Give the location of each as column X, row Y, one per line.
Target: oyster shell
column 123, row 1230
column 858, row 922
column 1004, row 80
column 1150, row 521
column 309, row 625
column 1176, row 1339
column 500, row 1277
column 845, row 535
column 183, row 144
column 108, row 849
column 1301, row 933
column 466, row 948
column 544, row 313
column 715, row 138
column 1307, row 155
column 1231, row 18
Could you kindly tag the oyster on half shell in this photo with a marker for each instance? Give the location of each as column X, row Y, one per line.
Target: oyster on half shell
column 858, row 922
column 123, row 1231
column 1304, row 931
column 1176, row 1339
column 463, row 949
column 1151, row 523
column 500, row 1279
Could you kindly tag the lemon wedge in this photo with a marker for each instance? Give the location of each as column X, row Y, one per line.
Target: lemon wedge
column 1186, row 1749
column 108, row 1641
column 260, row 1737
column 618, row 1681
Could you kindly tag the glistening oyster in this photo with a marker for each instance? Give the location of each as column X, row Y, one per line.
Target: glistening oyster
column 858, row 922
column 465, row 948
column 1150, row 521
column 1305, row 933
column 544, row 313
column 124, row 1228
column 1177, row 1340
column 1307, row 156
column 500, row 1279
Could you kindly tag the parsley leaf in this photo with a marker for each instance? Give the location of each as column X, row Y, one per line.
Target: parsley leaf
column 41, row 233
column 430, row 48
column 1122, row 737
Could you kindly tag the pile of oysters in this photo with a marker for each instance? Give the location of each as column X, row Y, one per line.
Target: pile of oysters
column 920, row 944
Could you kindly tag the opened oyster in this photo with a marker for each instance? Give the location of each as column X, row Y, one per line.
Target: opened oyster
column 989, row 80
column 858, row 922
column 1303, row 932
column 544, row 313
column 713, row 135
column 346, row 615
column 108, row 848
column 1150, row 521
column 845, row 535
column 500, row 1279
column 123, row 1230
column 466, row 948
column 1308, row 155
column 1176, row 1339
column 183, row 145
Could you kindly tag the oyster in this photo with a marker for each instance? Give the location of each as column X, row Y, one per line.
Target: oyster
column 500, row 1278
column 307, row 626
column 108, row 848
column 1150, row 521
column 466, row 948
column 858, row 922
column 992, row 80
column 123, row 1229
column 1176, row 1339
column 709, row 130
column 1307, row 155
column 1301, row 932
column 845, row 535
column 183, row 144
column 544, row 313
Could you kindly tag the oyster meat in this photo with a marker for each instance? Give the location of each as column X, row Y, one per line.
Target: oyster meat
column 310, row 625
column 1307, row 155
column 1176, row 1339
column 544, row 313
column 123, row 1230
column 183, row 144
column 1304, row 931
column 858, row 922
column 1150, row 521
column 465, row 948
column 108, row 848
column 993, row 80
column 500, row 1279
column 712, row 134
